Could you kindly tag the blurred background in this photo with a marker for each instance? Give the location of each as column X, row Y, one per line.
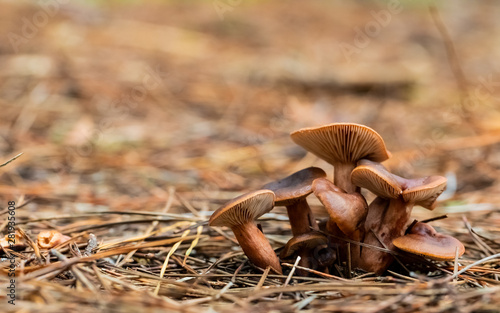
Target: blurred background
column 114, row 102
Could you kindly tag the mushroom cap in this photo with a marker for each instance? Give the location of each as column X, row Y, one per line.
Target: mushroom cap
column 424, row 191
column 342, row 142
column 306, row 241
column 294, row 187
column 425, row 241
column 50, row 238
column 376, row 178
column 243, row 209
column 348, row 211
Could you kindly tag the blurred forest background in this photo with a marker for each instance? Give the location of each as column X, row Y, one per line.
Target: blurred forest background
column 116, row 103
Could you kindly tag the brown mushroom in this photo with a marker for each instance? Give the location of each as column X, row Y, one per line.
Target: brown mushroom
column 347, row 215
column 425, row 241
column 14, row 241
column 389, row 214
column 291, row 192
column 48, row 239
column 313, row 250
column 346, row 211
column 342, row 145
column 240, row 214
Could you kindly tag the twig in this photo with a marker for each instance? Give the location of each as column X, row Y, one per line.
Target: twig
column 317, row 272
column 78, row 274
column 165, row 264
column 349, row 275
column 12, row 159
column 302, row 304
column 477, row 240
column 289, row 277
column 193, row 243
column 432, row 219
column 148, row 232
column 465, row 269
column 263, row 278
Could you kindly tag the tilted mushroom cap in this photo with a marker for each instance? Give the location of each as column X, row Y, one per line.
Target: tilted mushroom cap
column 307, row 241
column 425, row 241
column 425, row 191
column 376, row 178
column 348, row 211
column 342, row 142
column 294, row 187
column 244, row 208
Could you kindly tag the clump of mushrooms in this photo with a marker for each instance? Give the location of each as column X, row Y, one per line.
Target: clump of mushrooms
column 342, row 145
column 389, row 214
column 355, row 151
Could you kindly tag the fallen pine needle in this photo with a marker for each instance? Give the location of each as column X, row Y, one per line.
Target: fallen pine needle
column 289, row 277
column 165, row 264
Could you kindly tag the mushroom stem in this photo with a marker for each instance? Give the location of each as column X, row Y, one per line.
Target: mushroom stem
column 301, row 217
column 342, row 177
column 256, row 246
column 325, row 257
column 305, row 261
column 387, row 220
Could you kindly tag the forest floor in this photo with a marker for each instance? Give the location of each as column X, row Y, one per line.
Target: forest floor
column 137, row 120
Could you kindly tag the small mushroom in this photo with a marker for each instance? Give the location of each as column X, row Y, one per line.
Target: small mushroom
column 240, row 214
column 48, row 239
column 342, row 145
column 425, row 241
column 291, row 192
column 14, row 241
column 389, row 214
column 313, row 250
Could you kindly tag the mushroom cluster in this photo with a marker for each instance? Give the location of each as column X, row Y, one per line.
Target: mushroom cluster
column 374, row 229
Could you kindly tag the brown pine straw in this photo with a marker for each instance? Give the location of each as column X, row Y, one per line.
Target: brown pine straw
column 208, row 270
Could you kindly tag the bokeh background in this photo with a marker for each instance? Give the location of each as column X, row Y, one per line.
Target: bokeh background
column 114, row 102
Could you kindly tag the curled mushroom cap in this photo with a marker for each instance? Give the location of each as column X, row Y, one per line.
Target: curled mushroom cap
column 342, row 145
column 347, row 211
column 291, row 192
column 239, row 214
column 425, row 241
column 376, row 178
column 424, row 191
column 48, row 239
